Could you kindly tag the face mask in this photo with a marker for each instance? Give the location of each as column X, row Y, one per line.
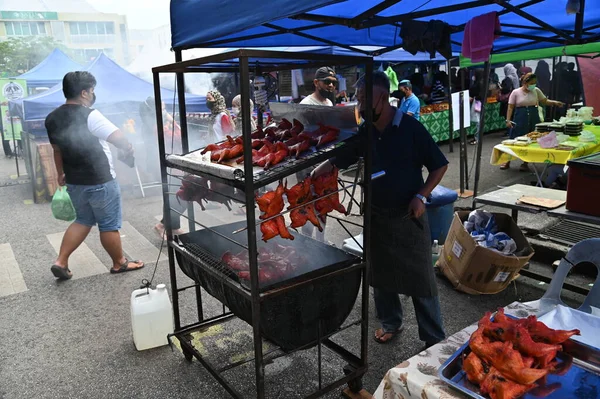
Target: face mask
column 374, row 113
column 532, row 87
column 93, row 99
column 210, row 104
column 235, row 110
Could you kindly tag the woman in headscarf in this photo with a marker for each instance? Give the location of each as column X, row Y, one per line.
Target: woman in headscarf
column 542, row 71
column 509, row 83
column 220, row 123
column 236, row 105
column 511, row 72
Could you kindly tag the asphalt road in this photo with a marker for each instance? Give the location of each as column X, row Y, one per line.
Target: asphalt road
column 74, row 340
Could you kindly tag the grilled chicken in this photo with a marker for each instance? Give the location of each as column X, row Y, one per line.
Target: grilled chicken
column 521, row 339
column 298, row 195
column 299, row 148
column 271, row 204
column 475, row 368
column 230, row 142
column 327, row 184
column 499, row 387
column 328, row 137
column 502, row 356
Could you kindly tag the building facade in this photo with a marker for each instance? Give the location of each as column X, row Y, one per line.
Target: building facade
column 76, row 24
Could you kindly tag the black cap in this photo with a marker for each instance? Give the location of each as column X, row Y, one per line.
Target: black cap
column 324, row 73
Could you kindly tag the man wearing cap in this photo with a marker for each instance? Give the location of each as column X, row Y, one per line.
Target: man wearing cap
column 325, row 81
column 410, row 104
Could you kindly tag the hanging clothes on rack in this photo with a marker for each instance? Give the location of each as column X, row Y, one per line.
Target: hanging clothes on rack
column 297, row 81
column 479, row 36
column 391, row 74
column 429, row 37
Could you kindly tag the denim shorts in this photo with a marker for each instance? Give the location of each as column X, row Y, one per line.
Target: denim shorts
column 99, row 204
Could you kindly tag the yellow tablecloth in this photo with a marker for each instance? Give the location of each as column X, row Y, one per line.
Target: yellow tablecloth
column 534, row 154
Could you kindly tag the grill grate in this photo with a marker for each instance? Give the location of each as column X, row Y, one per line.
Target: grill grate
column 570, row 232
column 209, row 260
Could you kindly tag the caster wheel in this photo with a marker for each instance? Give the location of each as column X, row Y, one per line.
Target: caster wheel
column 356, row 384
column 189, row 356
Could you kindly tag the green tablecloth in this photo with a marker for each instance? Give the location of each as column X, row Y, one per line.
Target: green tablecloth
column 438, row 123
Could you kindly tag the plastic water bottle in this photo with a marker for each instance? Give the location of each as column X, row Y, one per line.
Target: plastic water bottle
column 151, row 317
column 435, row 251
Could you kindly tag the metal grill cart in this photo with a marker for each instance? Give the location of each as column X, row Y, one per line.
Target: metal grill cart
column 300, row 311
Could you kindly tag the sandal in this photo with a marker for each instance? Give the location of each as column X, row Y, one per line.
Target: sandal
column 124, row 266
column 505, row 166
column 524, row 167
column 61, row 273
column 380, row 340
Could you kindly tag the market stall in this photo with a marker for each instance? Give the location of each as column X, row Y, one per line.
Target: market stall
column 437, row 122
column 294, row 290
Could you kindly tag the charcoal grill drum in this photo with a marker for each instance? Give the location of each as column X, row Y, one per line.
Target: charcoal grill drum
column 291, row 318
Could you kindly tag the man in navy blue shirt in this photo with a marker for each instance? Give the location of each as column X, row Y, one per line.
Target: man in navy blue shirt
column 410, row 104
column 400, row 237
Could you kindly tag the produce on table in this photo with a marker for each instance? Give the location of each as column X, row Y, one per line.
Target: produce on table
column 327, row 184
column 298, row 195
column 508, row 356
column 275, row 264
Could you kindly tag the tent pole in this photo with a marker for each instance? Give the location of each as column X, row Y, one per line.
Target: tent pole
column 185, row 146
column 579, row 21
column 450, row 117
column 553, row 86
column 484, row 94
column 463, row 133
column 463, row 140
column 15, row 153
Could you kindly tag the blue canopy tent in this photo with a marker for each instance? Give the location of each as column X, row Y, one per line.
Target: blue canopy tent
column 50, row 71
column 526, row 25
column 118, row 93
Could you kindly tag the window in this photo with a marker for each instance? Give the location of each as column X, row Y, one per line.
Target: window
column 92, row 32
column 25, row 28
column 86, row 55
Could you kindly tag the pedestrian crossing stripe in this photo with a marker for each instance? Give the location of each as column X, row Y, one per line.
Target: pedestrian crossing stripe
column 82, row 262
column 11, row 278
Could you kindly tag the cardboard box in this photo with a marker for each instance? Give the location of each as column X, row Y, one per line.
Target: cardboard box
column 477, row 270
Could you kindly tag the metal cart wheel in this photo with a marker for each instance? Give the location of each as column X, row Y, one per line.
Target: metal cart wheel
column 355, row 385
column 189, row 356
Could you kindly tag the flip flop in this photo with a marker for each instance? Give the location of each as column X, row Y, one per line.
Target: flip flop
column 61, row 273
column 123, row 266
column 393, row 333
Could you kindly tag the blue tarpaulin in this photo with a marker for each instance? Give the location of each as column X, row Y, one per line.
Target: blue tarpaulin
column 117, row 91
column 526, row 24
column 50, row 71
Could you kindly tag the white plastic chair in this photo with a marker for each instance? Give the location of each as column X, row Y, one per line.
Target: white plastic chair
column 584, row 251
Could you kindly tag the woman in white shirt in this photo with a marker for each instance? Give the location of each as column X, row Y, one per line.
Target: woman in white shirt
column 220, row 124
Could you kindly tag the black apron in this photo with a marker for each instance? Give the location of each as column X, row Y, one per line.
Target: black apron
column 401, row 259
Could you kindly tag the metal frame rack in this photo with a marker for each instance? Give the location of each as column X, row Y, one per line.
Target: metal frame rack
column 241, row 61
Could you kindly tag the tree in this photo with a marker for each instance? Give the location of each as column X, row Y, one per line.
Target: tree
column 20, row 54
